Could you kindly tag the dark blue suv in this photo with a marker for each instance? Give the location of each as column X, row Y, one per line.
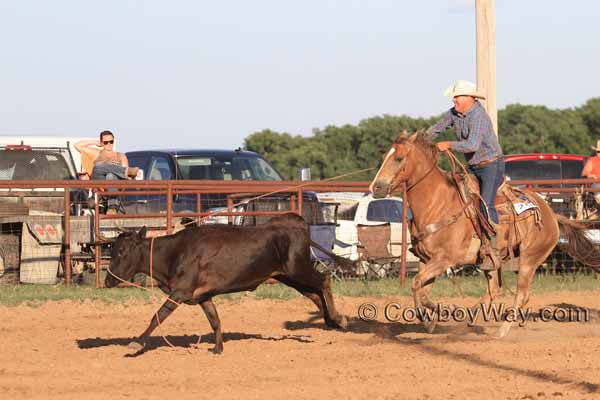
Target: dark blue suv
column 204, row 164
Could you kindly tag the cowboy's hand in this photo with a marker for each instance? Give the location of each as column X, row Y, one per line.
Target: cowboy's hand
column 443, row 146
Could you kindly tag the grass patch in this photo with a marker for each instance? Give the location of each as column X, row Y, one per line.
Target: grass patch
column 470, row 286
column 38, row 294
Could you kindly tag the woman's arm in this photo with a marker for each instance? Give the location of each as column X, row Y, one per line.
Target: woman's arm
column 83, row 146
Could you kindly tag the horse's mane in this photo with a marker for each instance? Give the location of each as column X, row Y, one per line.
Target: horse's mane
column 423, row 140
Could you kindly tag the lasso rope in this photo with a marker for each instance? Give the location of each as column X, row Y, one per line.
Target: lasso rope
column 151, row 260
column 287, row 189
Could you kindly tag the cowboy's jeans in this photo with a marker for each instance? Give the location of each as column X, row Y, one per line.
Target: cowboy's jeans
column 490, row 178
column 109, row 172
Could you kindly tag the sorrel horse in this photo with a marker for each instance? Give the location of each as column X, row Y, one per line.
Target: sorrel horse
column 444, row 232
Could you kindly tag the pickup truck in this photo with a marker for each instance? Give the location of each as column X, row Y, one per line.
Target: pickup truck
column 370, row 211
column 38, row 158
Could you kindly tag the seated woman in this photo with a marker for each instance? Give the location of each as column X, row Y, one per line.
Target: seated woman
column 108, row 164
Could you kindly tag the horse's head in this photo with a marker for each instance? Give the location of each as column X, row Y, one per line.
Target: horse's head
column 408, row 160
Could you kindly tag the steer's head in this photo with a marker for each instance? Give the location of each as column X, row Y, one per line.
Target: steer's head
column 128, row 251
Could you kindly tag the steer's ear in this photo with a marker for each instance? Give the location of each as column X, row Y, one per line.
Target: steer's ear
column 142, row 233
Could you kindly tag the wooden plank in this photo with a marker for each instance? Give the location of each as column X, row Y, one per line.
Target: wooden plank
column 486, row 56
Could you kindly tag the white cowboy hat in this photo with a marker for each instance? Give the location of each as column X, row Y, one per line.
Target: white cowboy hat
column 463, row 88
column 597, row 148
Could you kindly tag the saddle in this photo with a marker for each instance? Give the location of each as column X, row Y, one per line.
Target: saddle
column 512, row 206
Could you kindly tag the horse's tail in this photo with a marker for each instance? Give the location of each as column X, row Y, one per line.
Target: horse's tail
column 579, row 246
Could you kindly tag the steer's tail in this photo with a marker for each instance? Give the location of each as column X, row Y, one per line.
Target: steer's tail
column 341, row 261
column 579, row 246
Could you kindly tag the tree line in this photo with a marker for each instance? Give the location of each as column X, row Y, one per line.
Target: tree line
column 335, row 150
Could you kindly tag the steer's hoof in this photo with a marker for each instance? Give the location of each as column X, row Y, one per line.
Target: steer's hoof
column 135, row 346
column 343, row 323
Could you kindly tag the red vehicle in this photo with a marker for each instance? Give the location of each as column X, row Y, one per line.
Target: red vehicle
column 544, row 166
column 547, row 166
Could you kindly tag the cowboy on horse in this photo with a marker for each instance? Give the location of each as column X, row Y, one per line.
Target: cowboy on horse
column 477, row 140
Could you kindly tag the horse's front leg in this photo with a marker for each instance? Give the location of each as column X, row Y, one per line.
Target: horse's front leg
column 420, row 288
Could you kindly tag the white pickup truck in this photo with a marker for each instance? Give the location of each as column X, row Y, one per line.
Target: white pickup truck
column 370, row 211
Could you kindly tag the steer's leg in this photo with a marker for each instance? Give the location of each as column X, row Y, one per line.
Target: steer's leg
column 317, row 287
column 213, row 318
column 159, row 317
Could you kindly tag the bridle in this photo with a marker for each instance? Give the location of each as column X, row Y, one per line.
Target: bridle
column 433, row 166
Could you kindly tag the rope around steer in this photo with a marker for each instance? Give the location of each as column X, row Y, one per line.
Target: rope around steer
column 287, row 189
column 151, row 261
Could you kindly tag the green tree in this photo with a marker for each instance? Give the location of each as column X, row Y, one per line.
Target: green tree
column 336, row 150
column 537, row 129
column 590, row 113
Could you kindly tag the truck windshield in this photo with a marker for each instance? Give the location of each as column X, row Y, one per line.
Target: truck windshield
column 22, row 165
column 544, row 169
column 226, row 168
column 386, row 210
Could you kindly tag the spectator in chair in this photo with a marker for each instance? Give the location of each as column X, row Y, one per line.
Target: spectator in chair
column 108, row 164
column 591, row 169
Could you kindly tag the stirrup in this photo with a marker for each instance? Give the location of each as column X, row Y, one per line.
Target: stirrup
column 491, row 258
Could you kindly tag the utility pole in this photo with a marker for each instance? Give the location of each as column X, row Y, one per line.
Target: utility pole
column 486, row 56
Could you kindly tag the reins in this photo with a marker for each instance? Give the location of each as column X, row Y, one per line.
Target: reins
column 465, row 200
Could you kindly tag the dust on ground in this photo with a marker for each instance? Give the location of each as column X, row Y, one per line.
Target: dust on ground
column 281, row 348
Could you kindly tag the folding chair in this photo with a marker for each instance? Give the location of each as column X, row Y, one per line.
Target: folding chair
column 374, row 248
column 324, row 236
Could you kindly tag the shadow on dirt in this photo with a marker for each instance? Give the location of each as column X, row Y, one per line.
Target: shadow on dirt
column 182, row 341
column 385, row 332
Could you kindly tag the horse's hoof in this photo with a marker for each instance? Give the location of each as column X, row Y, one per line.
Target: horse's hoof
column 429, row 326
column 135, row 346
column 216, row 350
column 503, row 331
column 343, row 323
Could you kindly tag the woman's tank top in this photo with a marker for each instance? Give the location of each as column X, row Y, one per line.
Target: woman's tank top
column 114, row 158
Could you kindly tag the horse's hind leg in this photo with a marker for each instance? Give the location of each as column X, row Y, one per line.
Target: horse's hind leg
column 493, row 290
column 526, row 275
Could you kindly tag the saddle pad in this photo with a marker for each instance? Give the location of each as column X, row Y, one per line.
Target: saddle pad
column 523, row 206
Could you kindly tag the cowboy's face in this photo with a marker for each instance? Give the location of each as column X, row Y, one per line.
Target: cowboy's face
column 462, row 103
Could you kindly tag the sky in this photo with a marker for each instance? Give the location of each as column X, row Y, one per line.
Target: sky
column 206, row 74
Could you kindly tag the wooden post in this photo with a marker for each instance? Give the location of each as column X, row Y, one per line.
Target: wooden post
column 199, row 208
column 67, row 236
column 98, row 251
column 229, row 210
column 486, row 56
column 169, row 208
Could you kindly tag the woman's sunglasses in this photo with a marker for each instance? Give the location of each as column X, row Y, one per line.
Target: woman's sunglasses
column 108, row 141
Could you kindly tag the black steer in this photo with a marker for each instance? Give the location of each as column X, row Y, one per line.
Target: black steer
column 196, row 264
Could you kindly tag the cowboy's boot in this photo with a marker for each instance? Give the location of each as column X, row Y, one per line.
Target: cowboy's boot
column 491, row 260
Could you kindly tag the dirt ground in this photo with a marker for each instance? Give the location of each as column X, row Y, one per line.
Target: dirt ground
column 277, row 348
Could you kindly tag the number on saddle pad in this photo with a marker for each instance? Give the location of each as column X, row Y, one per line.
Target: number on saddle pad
column 521, row 207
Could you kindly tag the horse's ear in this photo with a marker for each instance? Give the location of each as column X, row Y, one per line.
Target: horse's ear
column 413, row 137
column 402, row 136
